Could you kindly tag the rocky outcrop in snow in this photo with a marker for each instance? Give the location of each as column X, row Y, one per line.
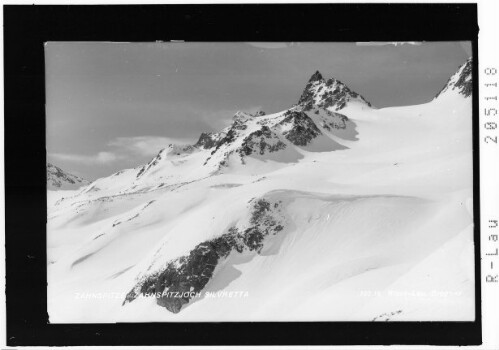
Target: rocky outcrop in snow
column 261, row 142
column 58, row 179
column 299, row 128
column 334, row 121
column 182, row 278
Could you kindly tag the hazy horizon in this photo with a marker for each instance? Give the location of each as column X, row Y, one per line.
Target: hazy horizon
column 112, row 106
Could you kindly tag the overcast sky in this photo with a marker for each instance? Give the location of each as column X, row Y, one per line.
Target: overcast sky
column 112, row 106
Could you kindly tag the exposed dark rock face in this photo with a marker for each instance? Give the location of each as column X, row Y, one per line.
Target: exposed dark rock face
column 302, row 129
column 58, row 173
column 261, row 141
column 337, row 121
column 465, row 83
column 183, row 278
column 316, row 76
column 224, row 142
column 263, row 223
column 141, row 171
column 307, row 97
column 462, row 80
column 206, row 141
column 152, row 163
column 187, row 274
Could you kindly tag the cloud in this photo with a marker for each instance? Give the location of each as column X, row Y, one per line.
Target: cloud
column 144, row 145
column 123, row 148
column 99, row 158
column 382, row 43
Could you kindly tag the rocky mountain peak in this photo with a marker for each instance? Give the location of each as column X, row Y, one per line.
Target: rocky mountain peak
column 328, row 93
column 461, row 80
column 58, row 179
column 317, row 76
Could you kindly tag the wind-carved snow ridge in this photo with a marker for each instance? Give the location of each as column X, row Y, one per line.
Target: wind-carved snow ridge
column 328, row 93
column 175, row 285
column 461, row 81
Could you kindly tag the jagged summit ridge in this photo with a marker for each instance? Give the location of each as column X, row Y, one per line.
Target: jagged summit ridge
column 328, row 93
column 257, row 135
column 461, row 81
column 251, row 138
column 260, row 135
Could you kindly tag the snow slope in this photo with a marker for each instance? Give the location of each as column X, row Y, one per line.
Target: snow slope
column 326, row 211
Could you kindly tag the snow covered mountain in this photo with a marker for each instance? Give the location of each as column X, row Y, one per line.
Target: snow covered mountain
column 329, row 210
column 329, row 93
column 460, row 82
column 58, row 179
column 263, row 140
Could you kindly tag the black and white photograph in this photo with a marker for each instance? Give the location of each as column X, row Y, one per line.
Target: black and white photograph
column 259, row 181
column 260, row 174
